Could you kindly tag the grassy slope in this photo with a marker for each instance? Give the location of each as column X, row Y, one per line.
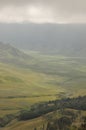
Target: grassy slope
column 45, row 78
column 22, row 88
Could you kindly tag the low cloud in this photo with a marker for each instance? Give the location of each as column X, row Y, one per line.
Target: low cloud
column 43, row 11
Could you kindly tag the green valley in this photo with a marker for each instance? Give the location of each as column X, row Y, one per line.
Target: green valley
column 30, row 78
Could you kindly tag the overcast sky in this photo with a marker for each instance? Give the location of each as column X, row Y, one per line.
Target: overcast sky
column 42, row 11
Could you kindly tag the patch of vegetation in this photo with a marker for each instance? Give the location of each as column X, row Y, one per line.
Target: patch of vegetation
column 6, row 119
column 40, row 109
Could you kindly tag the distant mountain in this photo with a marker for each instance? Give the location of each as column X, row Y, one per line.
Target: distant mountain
column 10, row 54
column 69, row 40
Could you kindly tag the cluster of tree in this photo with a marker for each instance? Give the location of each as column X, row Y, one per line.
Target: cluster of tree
column 6, row 119
column 70, row 113
column 65, row 122
column 34, row 113
column 62, row 123
column 83, row 125
column 78, row 103
column 37, row 110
